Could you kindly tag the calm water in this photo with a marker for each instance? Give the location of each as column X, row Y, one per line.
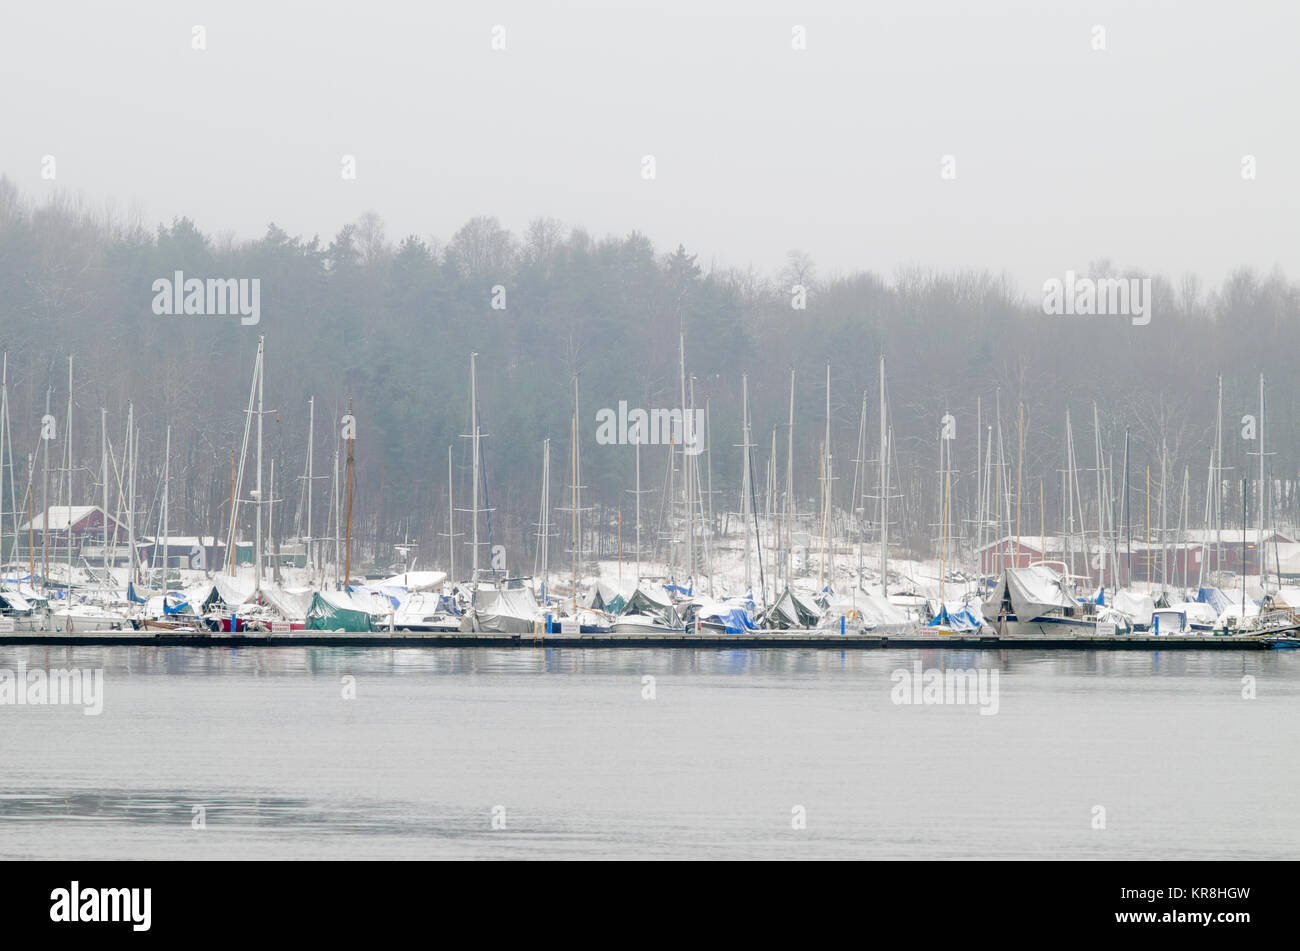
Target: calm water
column 584, row 766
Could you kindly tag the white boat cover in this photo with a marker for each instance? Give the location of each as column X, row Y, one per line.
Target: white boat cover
column 504, row 611
column 1198, row 612
column 1136, row 607
column 414, row 580
column 233, row 591
column 1034, row 592
column 419, row 607
column 290, row 605
column 17, row 603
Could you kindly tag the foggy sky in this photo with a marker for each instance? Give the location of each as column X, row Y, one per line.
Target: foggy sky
column 1064, row 155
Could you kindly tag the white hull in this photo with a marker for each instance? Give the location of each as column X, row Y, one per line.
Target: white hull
column 1049, row 628
column 642, row 625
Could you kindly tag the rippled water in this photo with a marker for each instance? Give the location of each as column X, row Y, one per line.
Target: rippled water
column 581, row 764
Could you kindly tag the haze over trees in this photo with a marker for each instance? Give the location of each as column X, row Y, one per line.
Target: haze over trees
column 389, row 322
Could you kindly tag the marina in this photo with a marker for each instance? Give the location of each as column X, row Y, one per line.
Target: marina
column 796, row 639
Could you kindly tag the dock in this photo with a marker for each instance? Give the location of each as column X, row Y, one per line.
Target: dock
column 822, row 640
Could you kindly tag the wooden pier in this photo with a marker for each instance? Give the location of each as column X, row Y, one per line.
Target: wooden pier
column 823, row 640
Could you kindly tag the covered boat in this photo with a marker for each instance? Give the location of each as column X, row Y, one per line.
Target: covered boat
column 501, row 611
column 1036, row 601
column 792, row 611
column 342, row 611
column 650, row 610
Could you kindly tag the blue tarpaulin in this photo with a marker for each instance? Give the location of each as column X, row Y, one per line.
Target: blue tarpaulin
column 963, row 620
column 735, row 620
column 1215, row 598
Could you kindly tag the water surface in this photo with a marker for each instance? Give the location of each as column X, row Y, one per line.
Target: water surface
column 565, row 749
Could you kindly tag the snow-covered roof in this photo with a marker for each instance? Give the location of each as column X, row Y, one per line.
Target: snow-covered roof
column 60, row 517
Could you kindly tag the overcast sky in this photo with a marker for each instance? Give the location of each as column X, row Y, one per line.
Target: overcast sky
column 1063, row 154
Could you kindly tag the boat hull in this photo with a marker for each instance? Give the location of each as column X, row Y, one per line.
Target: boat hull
column 1045, row 627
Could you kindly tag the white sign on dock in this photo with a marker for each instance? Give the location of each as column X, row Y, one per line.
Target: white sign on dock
column 1106, row 629
column 279, row 627
column 6, row 625
column 570, row 627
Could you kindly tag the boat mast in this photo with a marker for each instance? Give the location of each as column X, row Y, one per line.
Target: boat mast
column 884, row 487
column 257, row 538
column 772, row 528
column 637, row 465
column 337, row 507
column 978, row 507
column 103, row 468
column 1101, row 517
column 270, row 525
column 789, row 490
column 1218, row 482
column 166, row 546
column 1164, row 548
column 826, row 483
column 1180, row 544
column 347, row 549
column 68, row 443
column 311, row 442
column 130, row 491
column 1263, row 495
column 745, row 479
column 1020, row 466
column 451, row 521
column 45, row 534
column 573, row 492
column 544, row 519
column 474, row 462
column 860, row 485
column 686, row 460
column 706, row 512
column 577, row 496
column 4, row 414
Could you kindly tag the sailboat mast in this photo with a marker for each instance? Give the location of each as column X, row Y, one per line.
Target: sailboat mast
column 573, row 490
column 545, row 520
column 130, row 490
column 1101, row 518
column 685, row 457
column 166, row 500
column 637, row 456
column 45, row 534
column 347, row 549
column 745, row 476
column 826, row 482
column 789, row 490
column 1263, row 494
column 884, row 487
column 1217, row 475
column 311, row 442
column 67, row 438
column 257, row 538
column 577, row 495
column 103, row 468
column 451, row 521
column 474, row 450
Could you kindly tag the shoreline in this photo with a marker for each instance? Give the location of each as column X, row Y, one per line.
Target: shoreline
column 781, row 639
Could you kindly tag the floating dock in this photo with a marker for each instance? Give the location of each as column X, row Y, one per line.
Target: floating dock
column 907, row 639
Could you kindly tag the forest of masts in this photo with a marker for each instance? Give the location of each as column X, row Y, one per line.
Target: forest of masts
column 751, row 511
